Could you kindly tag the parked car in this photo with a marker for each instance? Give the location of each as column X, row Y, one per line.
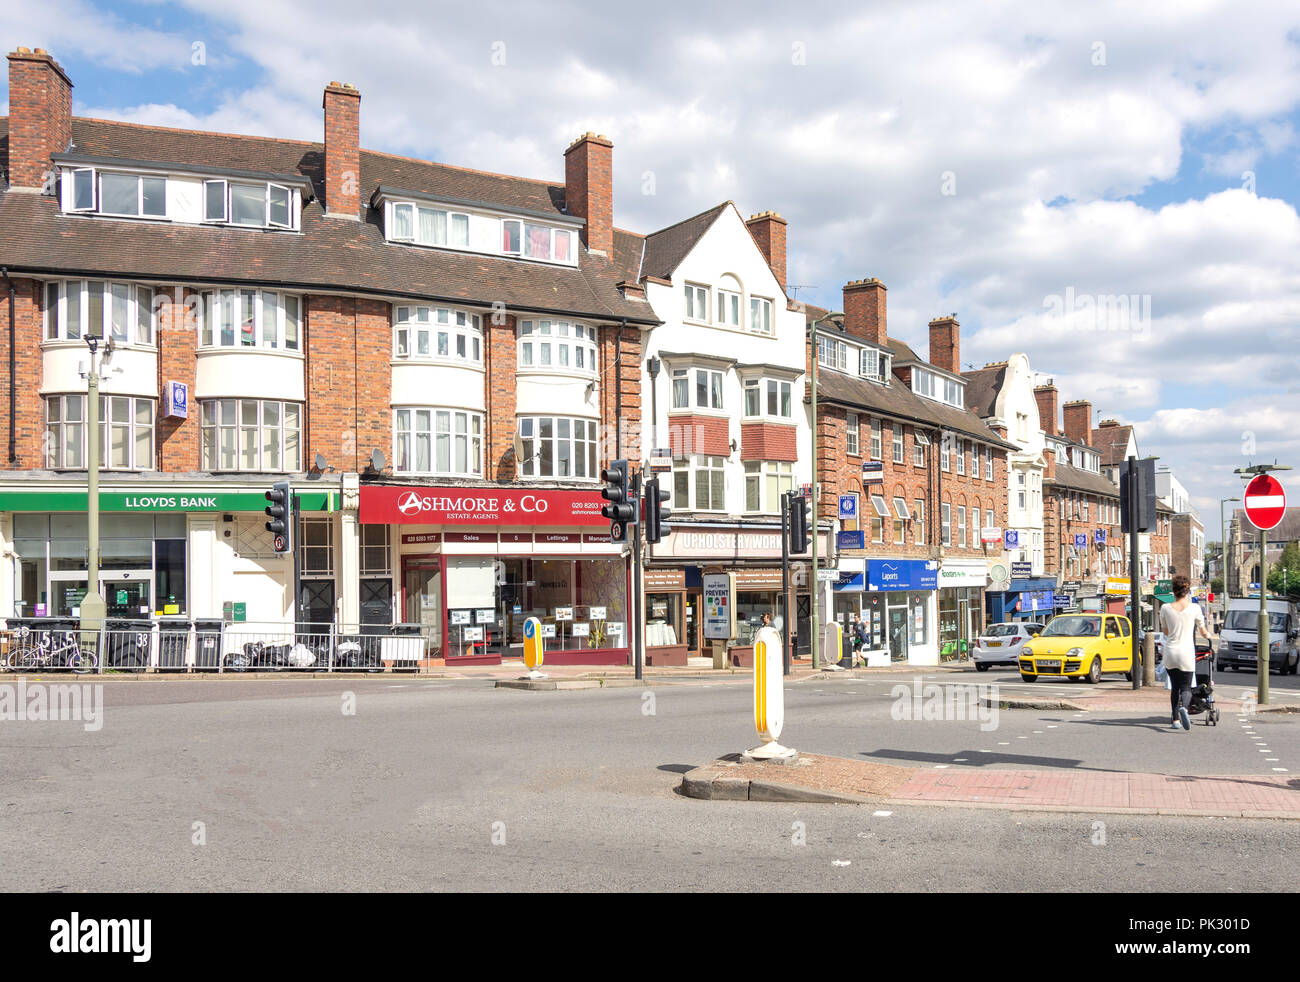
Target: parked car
column 1079, row 646
column 1000, row 643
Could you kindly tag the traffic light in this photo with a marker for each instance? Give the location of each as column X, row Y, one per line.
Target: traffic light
column 656, row 511
column 1143, row 474
column 280, row 513
column 800, row 511
column 620, row 510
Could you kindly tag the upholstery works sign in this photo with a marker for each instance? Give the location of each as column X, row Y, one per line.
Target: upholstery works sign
column 479, row 506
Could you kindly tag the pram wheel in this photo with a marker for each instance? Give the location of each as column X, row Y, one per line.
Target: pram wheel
column 1212, row 718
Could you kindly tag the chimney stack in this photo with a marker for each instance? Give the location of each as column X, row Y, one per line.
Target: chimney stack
column 342, row 105
column 40, row 116
column 864, row 310
column 589, row 189
column 768, row 229
column 1078, row 421
column 1045, row 396
column 945, row 344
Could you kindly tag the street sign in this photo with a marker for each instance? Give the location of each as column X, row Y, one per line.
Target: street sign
column 1021, row 570
column 1011, row 539
column 1265, row 502
column 828, row 575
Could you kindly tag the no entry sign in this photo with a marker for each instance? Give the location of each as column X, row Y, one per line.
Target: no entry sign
column 1265, row 502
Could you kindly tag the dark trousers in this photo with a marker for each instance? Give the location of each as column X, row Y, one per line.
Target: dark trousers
column 1180, row 691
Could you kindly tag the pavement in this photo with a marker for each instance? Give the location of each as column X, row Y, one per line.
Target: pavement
column 820, row 779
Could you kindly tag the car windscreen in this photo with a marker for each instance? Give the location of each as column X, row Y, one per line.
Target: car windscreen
column 1073, row 627
column 1002, row 630
column 1248, row 621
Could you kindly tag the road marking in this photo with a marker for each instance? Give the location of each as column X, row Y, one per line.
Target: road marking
column 1004, row 743
column 1270, row 760
column 1051, row 726
column 1282, row 769
column 1022, row 738
column 1038, row 731
column 958, row 760
column 940, row 766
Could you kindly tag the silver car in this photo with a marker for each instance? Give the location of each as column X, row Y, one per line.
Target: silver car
column 1000, row 643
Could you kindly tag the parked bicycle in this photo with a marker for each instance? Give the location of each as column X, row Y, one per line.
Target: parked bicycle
column 48, row 651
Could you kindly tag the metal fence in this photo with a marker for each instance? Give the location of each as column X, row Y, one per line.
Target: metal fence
column 45, row 644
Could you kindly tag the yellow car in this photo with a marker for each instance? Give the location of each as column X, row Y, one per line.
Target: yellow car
column 1076, row 646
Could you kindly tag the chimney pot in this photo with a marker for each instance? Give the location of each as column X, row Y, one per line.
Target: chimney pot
column 865, row 310
column 945, row 344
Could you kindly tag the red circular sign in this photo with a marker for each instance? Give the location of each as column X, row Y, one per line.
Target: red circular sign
column 1265, row 502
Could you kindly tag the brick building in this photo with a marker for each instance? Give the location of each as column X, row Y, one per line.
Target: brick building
column 923, row 475
column 439, row 359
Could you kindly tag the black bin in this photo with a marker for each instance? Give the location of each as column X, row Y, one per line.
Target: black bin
column 128, row 643
column 173, row 638
column 207, row 642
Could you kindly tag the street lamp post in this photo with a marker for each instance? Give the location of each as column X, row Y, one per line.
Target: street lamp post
column 1223, row 554
column 816, row 529
column 93, row 607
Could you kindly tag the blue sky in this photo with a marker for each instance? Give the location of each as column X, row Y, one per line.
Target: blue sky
column 1098, row 151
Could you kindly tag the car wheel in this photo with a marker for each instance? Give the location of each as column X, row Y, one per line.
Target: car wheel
column 1028, row 678
column 1094, row 672
column 981, row 666
column 1128, row 676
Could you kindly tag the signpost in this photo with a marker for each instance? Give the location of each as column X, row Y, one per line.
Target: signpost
column 1265, row 503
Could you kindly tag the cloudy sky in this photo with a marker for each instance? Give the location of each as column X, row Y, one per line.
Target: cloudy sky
column 1112, row 190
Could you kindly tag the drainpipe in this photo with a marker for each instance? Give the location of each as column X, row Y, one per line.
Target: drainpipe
column 13, row 371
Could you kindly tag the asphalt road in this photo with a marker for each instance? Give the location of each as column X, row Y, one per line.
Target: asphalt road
column 456, row 785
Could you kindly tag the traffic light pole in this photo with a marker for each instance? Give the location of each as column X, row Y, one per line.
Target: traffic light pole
column 785, row 581
column 637, row 628
column 292, row 522
column 1135, row 599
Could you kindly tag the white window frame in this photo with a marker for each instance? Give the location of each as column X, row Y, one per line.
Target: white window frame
column 767, row 390
column 685, row 493
column 769, row 479
column 567, row 343
column 900, row 450
column 211, row 422
column 581, row 447
column 760, row 309
column 832, row 353
column 58, row 442
column 875, row 439
column 94, row 190
column 214, row 308
column 918, row 522
column 851, row 434
column 411, row 424
column 696, row 298
column 714, row 386
column 55, row 317
column 961, row 457
column 733, row 300
column 139, row 194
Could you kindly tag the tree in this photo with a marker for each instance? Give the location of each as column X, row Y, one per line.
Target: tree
column 1216, row 585
column 1284, row 577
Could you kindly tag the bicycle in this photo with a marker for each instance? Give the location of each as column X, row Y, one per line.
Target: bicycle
column 48, row 654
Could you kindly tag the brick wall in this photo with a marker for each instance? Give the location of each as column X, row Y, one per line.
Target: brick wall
column 349, row 381
column 945, row 344
column 501, row 397
column 864, row 310
column 768, row 441
column 589, row 189
column 689, row 434
column 342, row 105
column 769, row 231
column 29, row 430
column 178, row 439
column 1078, row 421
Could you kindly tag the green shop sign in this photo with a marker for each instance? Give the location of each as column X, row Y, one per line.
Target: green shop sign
column 156, row 501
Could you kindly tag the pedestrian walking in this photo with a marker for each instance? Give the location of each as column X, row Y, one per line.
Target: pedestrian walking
column 1180, row 621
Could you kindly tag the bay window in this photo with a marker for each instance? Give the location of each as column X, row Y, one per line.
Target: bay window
column 75, row 309
column 768, row 397
column 436, row 333
column 707, row 388
column 125, row 432
column 558, row 446
column 707, row 475
column 251, row 435
column 438, row 441
column 250, row 319
column 557, row 346
column 765, row 482
column 760, row 315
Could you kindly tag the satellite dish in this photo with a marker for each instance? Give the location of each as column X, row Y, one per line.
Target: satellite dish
column 321, row 462
column 377, row 461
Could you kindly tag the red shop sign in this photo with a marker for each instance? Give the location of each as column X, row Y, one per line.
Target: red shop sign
column 479, row 506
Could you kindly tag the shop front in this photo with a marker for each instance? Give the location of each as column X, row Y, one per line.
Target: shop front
column 1024, row 599
column 473, row 564
column 897, row 601
column 165, row 551
column 961, row 605
column 674, row 583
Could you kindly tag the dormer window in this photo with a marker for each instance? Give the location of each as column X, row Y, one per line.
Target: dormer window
column 430, row 226
column 260, row 205
column 439, row 224
column 833, row 353
column 875, row 364
column 934, row 386
column 132, row 195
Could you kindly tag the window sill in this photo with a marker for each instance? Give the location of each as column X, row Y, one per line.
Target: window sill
column 434, row 361
column 562, row 371
column 774, row 420
column 559, row 263
column 246, row 349
column 716, row 413
column 60, row 344
column 438, row 474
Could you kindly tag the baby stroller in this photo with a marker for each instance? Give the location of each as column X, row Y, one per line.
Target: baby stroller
column 1203, row 690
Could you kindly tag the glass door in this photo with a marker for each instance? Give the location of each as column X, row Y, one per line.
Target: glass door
column 67, row 587
column 898, row 631
column 422, row 600
column 128, row 593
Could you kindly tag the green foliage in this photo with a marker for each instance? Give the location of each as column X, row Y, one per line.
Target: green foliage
column 1284, row 577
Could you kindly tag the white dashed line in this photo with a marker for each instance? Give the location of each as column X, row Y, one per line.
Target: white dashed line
column 1282, row 769
column 881, row 814
column 940, row 766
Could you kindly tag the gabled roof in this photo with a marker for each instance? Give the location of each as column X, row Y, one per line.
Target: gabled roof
column 1112, row 443
column 665, row 249
column 982, row 388
column 330, row 253
column 1287, row 530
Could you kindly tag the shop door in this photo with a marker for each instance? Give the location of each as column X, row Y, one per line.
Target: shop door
column 376, row 598
column 318, row 602
column 422, row 600
column 66, row 590
column 689, row 628
column 964, row 628
column 898, row 633
column 127, row 593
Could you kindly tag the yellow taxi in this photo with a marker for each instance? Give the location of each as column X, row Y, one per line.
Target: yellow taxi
column 1079, row 646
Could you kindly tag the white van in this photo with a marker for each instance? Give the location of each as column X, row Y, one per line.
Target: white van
column 1239, row 639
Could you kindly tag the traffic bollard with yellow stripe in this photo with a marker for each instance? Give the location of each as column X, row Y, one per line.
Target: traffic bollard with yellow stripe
column 533, row 653
column 769, row 696
column 835, row 642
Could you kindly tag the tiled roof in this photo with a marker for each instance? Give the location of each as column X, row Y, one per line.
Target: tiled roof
column 1288, row 530
column 665, row 249
column 1111, row 442
column 329, row 253
column 982, row 388
column 1076, row 479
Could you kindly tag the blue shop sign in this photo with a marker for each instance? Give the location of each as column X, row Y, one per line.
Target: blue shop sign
column 902, row 574
column 176, row 400
column 851, row 540
column 1100, row 537
column 1080, row 539
column 1011, row 539
column 1032, row 600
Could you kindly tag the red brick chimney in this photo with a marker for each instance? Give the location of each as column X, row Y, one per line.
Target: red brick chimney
column 589, row 189
column 342, row 105
column 945, row 344
column 40, row 116
column 1078, row 421
column 1045, row 396
column 768, row 229
column 1049, row 463
column 864, row 310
